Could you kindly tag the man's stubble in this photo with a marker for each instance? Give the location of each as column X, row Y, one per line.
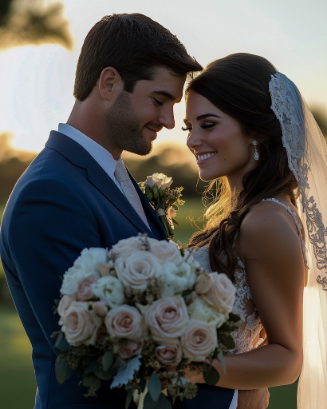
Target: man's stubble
column 123, row 128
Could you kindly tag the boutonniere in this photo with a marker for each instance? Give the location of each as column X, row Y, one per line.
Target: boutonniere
column 164, row 200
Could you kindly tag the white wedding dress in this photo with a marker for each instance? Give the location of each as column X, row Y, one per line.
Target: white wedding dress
column 248, row 335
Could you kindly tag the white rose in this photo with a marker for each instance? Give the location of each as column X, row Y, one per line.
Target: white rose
column 200, row 310
column 110, row 291
column 88, row 263
column 135, row 270
column 177, row 279
column 166, row 252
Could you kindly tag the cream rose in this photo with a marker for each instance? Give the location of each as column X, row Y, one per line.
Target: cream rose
column 222, row 293
column 160, row 180
column 84, row 290
column 129, row 349
column 177, row 279
column 170, row 353
column 166, row 318
column 125, row 321
column 199, row 340
column 80, row 325
column 64, row 304
column 110, row 291
column 203, row 283
column 135, row 271
column 200, row 310
column 166, row 252
column 126, row 247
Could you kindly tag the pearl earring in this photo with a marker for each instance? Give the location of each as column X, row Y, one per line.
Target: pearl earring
column 256, row 153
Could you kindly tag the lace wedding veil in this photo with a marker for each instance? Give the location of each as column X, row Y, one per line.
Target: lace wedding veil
column 307, row 157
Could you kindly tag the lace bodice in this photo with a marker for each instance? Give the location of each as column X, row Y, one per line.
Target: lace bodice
column 248, row 335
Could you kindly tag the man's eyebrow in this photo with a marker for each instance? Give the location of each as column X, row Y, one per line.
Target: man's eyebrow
column 167, row 95
column 198, row 118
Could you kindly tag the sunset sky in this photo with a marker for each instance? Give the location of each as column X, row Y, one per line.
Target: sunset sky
column 36, row 83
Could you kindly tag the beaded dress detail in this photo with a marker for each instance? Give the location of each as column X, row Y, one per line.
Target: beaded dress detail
column 248, row 335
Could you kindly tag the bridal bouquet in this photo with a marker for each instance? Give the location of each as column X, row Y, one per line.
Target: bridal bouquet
column 163, row 199
column 139, row 316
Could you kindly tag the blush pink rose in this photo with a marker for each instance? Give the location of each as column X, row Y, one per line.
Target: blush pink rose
column 84, row 290
column 170, row 353
column 80, row 325
column 99, row 308
column 65, row 303
column 166, row 252
column 203, row 283
column 105, row 270
column 129, row 349
column 199, row 340
column 126, row 247
column 167, row 318
column 222, row 293
column 125, row 321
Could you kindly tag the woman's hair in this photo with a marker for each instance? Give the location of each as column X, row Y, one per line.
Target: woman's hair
column 134, row 44
column 239, row 86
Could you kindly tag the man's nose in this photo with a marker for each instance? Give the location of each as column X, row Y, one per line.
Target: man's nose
column 168, row 120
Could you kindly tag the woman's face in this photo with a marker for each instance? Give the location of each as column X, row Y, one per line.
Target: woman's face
column 216, row 140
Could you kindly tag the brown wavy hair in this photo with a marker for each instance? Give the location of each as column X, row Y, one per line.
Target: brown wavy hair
column 239, row 86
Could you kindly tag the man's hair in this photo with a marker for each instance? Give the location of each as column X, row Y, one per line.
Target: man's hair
column 134, row 45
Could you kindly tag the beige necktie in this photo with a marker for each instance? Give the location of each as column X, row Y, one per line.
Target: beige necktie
column 129, row 190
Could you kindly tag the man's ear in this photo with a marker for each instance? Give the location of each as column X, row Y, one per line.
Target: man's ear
column 110, row 84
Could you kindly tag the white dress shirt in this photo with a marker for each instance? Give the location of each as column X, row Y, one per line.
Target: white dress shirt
column 108, row 164
column 98, row 152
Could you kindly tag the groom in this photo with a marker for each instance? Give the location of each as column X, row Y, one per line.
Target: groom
column 78, row 194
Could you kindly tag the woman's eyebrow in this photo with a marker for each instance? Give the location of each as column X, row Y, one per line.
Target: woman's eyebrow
column 198, row 118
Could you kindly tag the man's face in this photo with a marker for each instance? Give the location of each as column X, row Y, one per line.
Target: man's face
column 134, row 119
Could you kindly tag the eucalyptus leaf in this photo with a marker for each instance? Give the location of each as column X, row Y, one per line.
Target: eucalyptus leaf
column 89, row 380
column 154, row 386
column 229, row 342
column 69, row 372
column 61, row 371
column 104, row 375
column 234, row 317
column 128, row 398
column 63, row 344
column 163, row 402
column 56, row 301
column 107, row 360
column 175, row 221
column 90, row 368
column 149, row 403
column 221, row 360
column 211, row 376
column 60, row 337
column 175, row 206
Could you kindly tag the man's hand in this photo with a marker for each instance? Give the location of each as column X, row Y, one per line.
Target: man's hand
column 253, row 399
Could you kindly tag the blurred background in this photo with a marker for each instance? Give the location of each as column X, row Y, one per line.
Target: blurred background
column 40, row 41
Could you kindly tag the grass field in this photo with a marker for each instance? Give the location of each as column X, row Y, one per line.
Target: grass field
column 17, row 382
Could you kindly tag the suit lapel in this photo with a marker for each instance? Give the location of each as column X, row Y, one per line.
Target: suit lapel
column 76, row 154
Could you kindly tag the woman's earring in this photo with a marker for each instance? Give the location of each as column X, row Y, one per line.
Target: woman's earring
column 256, row 153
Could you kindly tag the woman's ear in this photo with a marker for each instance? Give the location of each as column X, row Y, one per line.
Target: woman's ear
column 110, row 84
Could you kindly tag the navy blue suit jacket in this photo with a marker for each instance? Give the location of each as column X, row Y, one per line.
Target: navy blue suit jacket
column 63, row 203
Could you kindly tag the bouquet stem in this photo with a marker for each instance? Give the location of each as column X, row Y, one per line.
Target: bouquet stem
column 142, row 396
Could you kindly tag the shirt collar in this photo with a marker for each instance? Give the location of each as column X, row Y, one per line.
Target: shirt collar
column 98, row 152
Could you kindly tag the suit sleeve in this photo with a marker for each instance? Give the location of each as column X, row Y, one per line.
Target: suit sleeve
column 50, row 225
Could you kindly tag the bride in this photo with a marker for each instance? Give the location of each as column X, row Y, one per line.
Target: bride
column 252, row 134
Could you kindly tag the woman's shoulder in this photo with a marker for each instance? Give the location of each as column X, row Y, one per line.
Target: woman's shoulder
column 268, row 228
